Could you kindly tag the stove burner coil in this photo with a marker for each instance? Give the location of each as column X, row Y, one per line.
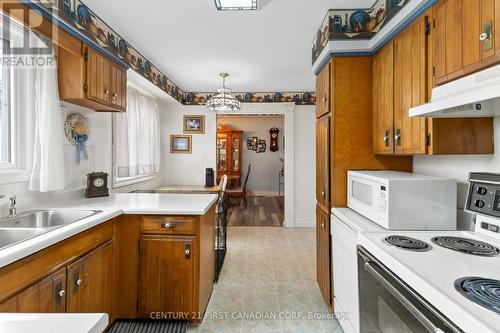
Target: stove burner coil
column 466, row 245
column 407, row 243
column 484, row 292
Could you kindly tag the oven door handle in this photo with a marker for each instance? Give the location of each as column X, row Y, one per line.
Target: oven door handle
column 429, row 325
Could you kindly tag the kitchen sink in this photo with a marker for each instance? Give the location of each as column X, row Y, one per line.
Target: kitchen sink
column 9, row 237
column 31, row 224
column 46, row 219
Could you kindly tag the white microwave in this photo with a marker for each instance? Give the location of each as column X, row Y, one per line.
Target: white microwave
column 403, row 201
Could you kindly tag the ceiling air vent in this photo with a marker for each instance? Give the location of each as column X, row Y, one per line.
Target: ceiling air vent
column 236, row 4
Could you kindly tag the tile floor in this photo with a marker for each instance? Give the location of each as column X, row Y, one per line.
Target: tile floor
column 268, row 277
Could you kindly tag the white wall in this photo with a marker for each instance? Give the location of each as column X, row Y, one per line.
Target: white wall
column 459, row 166
column 305, row 166
column 266, row 166
column 189, row 169
column 99, row 147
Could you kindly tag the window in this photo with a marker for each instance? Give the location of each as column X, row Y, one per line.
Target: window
column 6, row 137
column 136, row 140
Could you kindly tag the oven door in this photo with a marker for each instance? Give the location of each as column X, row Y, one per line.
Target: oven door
column 388, row 305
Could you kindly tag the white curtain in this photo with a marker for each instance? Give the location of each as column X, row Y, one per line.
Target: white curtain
column 35, row 101
column 137, row 136
column 48, row 158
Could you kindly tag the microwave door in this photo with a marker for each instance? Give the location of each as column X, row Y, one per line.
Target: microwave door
column 388, row 305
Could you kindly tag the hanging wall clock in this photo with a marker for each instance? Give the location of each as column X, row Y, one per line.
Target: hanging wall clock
column 274, row 139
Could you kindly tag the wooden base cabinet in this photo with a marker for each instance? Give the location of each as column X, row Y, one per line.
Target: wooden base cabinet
column 46, row 296
column 75, row 275
column 90, row 281
column 176, row 266
column 323, row 254
column 167, row 270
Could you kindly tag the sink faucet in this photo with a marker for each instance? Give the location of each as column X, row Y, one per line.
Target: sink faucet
column 12, row 208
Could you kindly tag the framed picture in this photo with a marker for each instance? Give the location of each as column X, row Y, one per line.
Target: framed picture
column 194, row 124
column 252, row 143
column 180, row 144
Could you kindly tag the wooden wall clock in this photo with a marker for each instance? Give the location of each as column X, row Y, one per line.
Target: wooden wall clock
column 274, row 139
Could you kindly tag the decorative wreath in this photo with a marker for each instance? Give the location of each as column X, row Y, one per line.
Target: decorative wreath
column 76, row 129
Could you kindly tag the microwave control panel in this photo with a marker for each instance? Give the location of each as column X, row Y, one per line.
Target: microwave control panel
column 484, row 194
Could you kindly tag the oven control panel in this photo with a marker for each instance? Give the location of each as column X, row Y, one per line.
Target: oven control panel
column 484, row 194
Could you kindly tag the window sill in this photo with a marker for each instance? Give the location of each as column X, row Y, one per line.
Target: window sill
column 131, row 180
column 13, row 176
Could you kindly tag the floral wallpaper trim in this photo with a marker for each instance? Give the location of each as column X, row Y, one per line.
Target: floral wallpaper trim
column 346, row 24
column 79, row 20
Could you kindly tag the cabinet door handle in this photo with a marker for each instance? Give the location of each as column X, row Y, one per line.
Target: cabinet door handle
column 187, row 251
column 483, row 36
column 323, row 225
column 169, row 225
column 78, row 282
column 61, row 293
column 386, row 138
column 323, row 194
column 397, row 137
column 106, row 92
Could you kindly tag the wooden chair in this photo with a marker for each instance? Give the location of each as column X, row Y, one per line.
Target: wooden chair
column 241, row 192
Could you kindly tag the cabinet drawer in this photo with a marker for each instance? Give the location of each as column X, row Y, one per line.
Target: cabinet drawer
column 169, row 225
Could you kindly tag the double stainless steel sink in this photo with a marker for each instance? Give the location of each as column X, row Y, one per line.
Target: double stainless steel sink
column 31, row 224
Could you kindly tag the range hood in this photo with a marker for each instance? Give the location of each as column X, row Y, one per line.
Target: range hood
column 476, row 95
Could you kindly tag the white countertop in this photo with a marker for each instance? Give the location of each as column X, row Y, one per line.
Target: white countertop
column 112, row 206
column 355, row 221
column 53, row 323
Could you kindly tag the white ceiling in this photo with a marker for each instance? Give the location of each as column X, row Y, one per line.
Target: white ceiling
column 191, row 42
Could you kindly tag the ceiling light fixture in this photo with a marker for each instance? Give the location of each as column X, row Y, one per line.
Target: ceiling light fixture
column 223, row 101
column 236, row 4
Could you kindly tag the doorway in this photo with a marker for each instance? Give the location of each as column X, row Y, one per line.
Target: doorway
column 250, row 151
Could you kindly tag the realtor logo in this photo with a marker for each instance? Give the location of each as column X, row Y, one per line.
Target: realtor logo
column 26, row 37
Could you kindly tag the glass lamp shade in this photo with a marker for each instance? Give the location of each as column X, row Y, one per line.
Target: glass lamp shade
column 223, row 101
column 236, row 4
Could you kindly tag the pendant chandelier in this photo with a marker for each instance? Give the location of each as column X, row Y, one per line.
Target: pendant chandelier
column 223, row 101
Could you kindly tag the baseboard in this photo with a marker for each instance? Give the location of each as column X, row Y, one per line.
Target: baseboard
column 305, row 223
column 264, row 193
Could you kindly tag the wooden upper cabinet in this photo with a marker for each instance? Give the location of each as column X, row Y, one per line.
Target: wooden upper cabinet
column 323, row 103
column 410, row 88
column 465, row 37
column 46, row 296
column 167, row 272
column 383, row 100
column 323, row 162
column 118, row 87
column 90, row 281
column 92, row 80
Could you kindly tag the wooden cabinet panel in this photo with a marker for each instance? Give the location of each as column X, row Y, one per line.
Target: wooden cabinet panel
column 383, row 100
column 410, row 84
column 167, row 274
column 46, row 296
column 90, row 281
column 323, row 254
column 229, row 155
column 181, row 225
column 472, row 22
column 466, row 37
column 98, row 77
column 118, row 86
column 323, row 81
column 454, row 35
column 439, row 39
column 323, row 164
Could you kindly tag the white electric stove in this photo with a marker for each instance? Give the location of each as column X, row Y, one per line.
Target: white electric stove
column 431, row 281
